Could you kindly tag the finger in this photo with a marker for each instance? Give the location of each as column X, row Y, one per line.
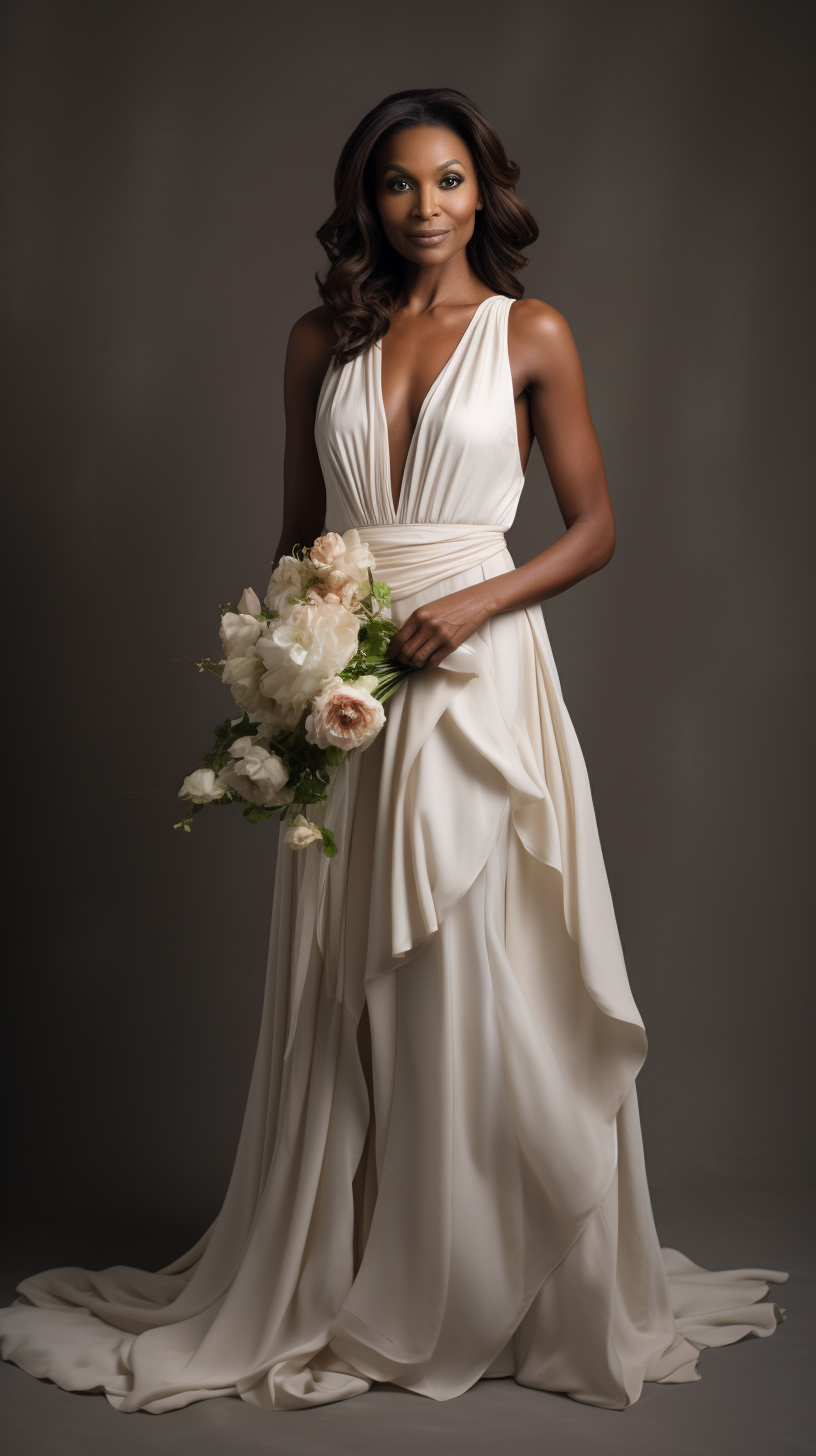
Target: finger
column 439, row 655
column 423, row 649
column 408, row 657
column 412, row 650
column 397, row 642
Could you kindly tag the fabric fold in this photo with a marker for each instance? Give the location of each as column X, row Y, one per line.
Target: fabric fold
column 413, row 557
column 448, row 1041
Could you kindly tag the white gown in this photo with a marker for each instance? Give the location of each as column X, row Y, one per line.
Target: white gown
column 500, row 1222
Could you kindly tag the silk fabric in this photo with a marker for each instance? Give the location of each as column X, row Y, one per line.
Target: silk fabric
column 440, row 1174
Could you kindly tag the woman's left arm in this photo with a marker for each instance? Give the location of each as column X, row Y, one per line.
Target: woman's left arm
column 547, row 371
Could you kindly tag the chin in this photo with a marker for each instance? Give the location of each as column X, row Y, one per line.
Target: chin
column 440, row 254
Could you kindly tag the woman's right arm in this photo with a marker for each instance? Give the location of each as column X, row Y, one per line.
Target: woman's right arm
column 304, row 492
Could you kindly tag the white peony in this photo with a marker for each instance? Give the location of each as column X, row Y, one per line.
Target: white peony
column 243, row 674
column 301, row 832
column 345, row 556
column 239, row 632
column 287, row 580
column 312, row 642
column 256, row 774
column 344, row 715
column 201, row 787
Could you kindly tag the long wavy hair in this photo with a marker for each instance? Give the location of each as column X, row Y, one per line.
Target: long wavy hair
column 365, row 275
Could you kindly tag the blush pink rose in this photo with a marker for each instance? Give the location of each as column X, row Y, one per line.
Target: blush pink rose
column 340, row 593
column 345, row 555
column 326, row 548
column 344, row 716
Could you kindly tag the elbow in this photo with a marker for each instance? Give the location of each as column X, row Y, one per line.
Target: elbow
column 603, row 545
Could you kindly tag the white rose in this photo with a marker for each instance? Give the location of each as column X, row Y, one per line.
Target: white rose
column 249, row 603
column 334, row 556
column 287, row 580
column 310, row 643
column 301, row 832
column 344, row 715
column 257, row 774
column 201, row 787
column 239, row 632
column 241, row 746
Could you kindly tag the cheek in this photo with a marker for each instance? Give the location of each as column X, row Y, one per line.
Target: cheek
column 391, row 208
column 461, row 203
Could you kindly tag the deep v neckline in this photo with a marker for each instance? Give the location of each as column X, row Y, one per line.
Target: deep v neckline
column 395, row 505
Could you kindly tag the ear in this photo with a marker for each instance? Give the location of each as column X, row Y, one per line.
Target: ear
column 479, row 205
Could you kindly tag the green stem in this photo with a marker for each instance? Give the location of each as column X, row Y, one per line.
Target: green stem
column 390, row 678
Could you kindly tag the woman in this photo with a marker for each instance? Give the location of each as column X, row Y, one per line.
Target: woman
column 440, row 1174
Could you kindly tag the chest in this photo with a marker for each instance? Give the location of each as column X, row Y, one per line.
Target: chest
column 414, row 353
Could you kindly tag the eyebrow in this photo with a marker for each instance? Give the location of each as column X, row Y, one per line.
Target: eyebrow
column 451, row 162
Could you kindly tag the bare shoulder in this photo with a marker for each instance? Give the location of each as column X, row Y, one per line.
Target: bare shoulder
column 315, row 329
column 311, row 341
column 542, row 350
column 540, row 340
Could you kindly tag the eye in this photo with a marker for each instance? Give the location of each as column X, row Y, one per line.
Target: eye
column 452, row 180
column 399, row 184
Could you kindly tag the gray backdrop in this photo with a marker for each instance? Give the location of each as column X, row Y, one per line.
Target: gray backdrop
column 166, row 167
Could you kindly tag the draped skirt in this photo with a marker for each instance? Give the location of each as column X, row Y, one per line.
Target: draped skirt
column 440, row 1174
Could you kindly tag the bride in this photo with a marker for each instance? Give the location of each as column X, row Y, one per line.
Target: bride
column 440, row 1174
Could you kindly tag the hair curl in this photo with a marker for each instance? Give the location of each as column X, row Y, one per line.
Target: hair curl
column 365, row 274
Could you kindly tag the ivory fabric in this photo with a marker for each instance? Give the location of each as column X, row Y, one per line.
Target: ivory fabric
column 492, row 1216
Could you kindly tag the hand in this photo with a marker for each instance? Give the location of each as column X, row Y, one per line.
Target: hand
column 435, row 630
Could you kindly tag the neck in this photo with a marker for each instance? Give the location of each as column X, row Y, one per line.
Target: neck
column 427, row 287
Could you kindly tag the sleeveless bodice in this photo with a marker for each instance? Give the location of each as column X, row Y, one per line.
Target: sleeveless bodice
column 463, row 462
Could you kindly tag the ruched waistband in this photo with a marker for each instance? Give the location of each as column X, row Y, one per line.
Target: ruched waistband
column 413, row 557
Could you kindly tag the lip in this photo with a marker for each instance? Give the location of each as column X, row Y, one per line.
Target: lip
column 429, row 240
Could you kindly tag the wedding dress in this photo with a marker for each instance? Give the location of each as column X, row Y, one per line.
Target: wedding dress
column 484, row 1209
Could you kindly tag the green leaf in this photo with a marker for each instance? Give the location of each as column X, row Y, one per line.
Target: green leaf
column 254, row 813
column 329, row 846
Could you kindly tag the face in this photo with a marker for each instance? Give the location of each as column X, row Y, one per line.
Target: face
column 427, row 193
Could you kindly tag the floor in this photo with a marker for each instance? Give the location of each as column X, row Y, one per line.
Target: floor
column 754, row 1399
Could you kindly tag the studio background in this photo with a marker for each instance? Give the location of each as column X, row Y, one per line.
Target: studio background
column 166, row 166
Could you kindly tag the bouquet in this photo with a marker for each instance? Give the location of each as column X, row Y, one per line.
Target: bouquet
column 308, row 670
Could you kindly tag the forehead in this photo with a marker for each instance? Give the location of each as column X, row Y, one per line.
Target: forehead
column 423, row 149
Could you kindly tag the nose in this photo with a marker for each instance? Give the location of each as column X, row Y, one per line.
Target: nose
column 427, row 203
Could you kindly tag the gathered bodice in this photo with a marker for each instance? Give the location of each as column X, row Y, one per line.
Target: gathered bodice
column 463, row 462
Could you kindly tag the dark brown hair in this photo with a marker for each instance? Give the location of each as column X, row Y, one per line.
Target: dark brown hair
column 365, row 274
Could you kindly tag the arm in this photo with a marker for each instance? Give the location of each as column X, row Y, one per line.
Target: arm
column 547, row 370
column 304, row 492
